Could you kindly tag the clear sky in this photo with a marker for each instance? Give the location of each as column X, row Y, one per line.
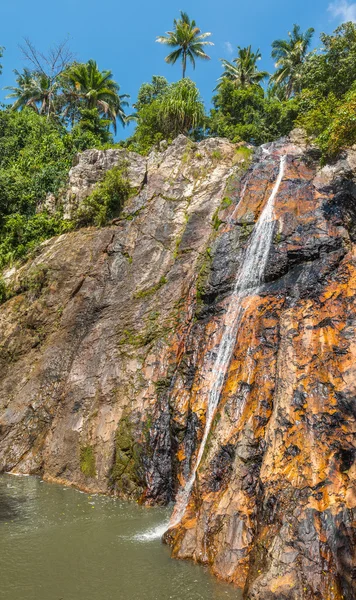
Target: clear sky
column 121, row 35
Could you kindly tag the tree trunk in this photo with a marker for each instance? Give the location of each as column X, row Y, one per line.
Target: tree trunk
column 184, row 64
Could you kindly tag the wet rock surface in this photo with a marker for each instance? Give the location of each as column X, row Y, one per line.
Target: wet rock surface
column 107, row 351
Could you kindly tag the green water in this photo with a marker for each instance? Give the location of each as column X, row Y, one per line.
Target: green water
column 60, row 544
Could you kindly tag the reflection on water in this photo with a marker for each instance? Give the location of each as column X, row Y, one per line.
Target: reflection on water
column 61, row 544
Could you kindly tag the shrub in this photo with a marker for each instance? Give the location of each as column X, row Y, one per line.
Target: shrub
column 22, row 234
column 341, row 132
column 107, row 199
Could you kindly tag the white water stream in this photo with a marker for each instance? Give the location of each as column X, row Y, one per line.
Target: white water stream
column 248, row 280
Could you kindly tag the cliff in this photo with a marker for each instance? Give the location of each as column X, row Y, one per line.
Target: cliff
column 110, row 346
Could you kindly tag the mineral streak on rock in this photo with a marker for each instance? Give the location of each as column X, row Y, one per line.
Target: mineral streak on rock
column 108, row 343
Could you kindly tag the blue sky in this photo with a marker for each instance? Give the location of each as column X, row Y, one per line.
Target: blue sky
column 121, row 35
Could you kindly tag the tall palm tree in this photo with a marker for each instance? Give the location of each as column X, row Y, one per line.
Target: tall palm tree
column 243, row 71
column 189, row 39
column 34, row 89
column 289, row 56
column 84, row 85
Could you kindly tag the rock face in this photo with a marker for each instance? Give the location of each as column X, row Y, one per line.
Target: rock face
column 109, row 344
column 90, row 167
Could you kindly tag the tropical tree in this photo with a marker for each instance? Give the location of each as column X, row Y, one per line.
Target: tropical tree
column 172, row 109
column 35, row 90
column 333, row 69
column 38, row 86
column 150, row 91
column 85, row 86
column 188, row 40
column 289, row 56
column 243, row 70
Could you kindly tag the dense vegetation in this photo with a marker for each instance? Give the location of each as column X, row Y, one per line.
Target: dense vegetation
column 59, row 107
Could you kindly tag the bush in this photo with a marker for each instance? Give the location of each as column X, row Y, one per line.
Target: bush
column 341, row 132
column 107, row 199
column 316, row 111
column 22, row 234
column 35, row 157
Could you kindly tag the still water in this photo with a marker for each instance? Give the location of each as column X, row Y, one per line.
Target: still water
column 60, row 544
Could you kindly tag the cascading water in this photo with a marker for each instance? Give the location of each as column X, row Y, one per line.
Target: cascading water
column 248, row 280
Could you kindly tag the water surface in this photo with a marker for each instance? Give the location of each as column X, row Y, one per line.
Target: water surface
column 60, row 544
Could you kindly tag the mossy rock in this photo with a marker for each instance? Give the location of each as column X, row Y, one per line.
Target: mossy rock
column 87, row 461
column 127, row 472
column 203, row 277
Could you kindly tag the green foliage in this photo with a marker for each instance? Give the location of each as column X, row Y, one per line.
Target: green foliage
column 35, row 157
column 333, row 69
column 188, row 40
column 87, row 461
column 181, row 110
column 91, row 130
column 84, row 86
column 73, row 109
column 315, row 111
column 21, row 234
column 66, row 93
column 107, row 199
column 246, row 114
column 174, row 109
column 244, row 154
column 36, row 90
column 341, row 131
column 216, row 222
column 150, row 91
column 243, row 71
column 327, row 103
column 290, row 55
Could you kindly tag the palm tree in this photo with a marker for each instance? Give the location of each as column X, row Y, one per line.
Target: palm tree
column 243, row 71
column 34, row 89
column 85, row 86
column 289, row 56
column 189, row 39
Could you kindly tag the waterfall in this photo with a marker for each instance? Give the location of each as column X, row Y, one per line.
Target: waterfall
column 248, row 280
